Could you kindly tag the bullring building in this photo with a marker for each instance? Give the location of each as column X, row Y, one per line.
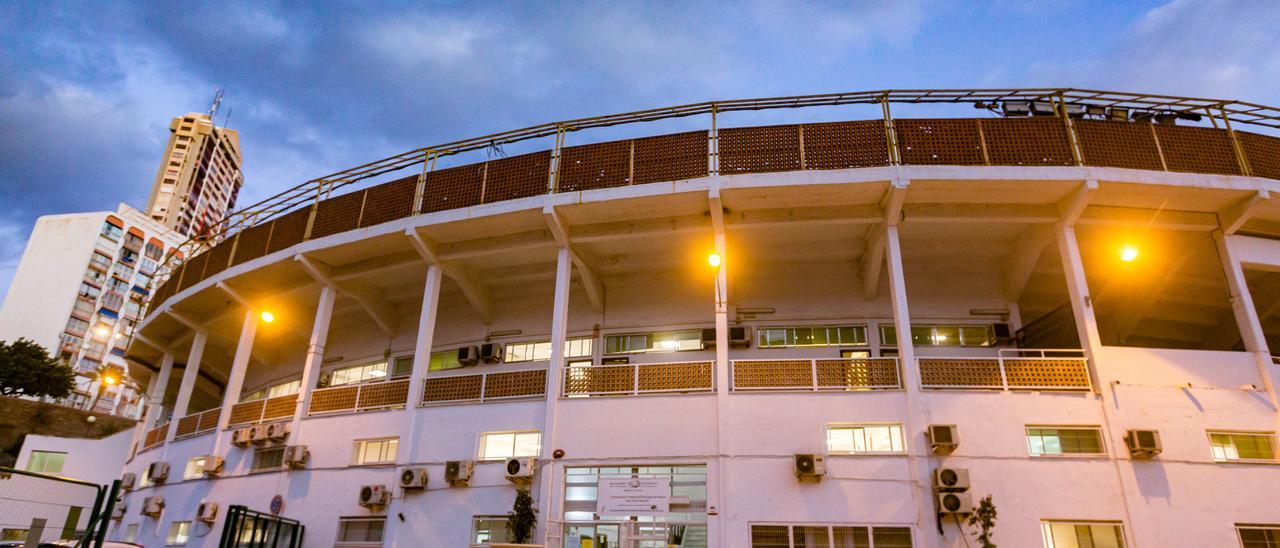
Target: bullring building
column 847, row 331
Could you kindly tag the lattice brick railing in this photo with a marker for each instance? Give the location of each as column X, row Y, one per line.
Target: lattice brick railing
column 632, row 379
column 1002, row 373
column 505, row 386
column 359, row 397
column 256, row 411
column 155, row 436
column 197, row 424
column 816, row 375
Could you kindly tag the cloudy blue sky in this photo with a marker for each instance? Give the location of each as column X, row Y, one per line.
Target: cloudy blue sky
column 87, row 89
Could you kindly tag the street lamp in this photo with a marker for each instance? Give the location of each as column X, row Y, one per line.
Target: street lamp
column 267, row 316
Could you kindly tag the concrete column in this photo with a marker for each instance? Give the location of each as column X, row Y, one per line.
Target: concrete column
column 158, row 387
column 188, row 380
column 549, row 514
column 913, row 421
column 235, row 380
column 1081, row 301
column 315, row 356
column 1250, row 325
column 716, row 525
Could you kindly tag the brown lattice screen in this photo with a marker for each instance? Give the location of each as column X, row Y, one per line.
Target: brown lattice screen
column 600, row 165
column 219, row 257
column 516, row 384
column 279, row 407
column 1118, row 144
column 209, row 420
column 187, row 426
column 952, row 142
column 194, row 271
column 759, row 149
column 675, row 377
column 1197, row 149
column 772, row 374
column 289, row 229
column 246, row 412
column 857, row 373
column 389, row 201
column 1262, row 152
column 337, row 214
column 845, row 145
column 1039, row 141
column 960, row 372
column 517, row 177
column 603, row 379
column 453, row 188
column 252, row 243
column 329, row 400
column 452, row 389
column 1047, row 373
column 383, row 394
column 671, row 157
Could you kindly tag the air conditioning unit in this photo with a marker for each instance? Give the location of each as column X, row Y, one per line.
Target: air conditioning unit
column 152, row 506
column 951, row 480
column 468, row 355
column 295, row 456
column 413, row 479
column 739, row 337
column 520, row 469
column 955, row 503
column 278, row 431
column 258, row 434
column 491, row 352
column 207, row 512
column 374, row 496
column 241, row 437
column 1002, row 331
column 809, row 466
column 212, row 465
column 458, row 472
column 1143, row 444
column 128, row 480
column 158, row 471
column 709, row 337
column 117, row 511
column 943, row 438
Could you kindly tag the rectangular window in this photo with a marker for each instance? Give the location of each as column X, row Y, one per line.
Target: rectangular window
column 666, row 341
column 1053, row 440
column 855, row 439
column 401, row 367
column 131, row 533
column 1243, row 446
column 46, row 462
column 541, row 351
column 785, row 337
column 14, row 534
column 360, row 532
column 441, row 361
column 1061, row 534
column 355, row 374
column 179, row 533
column 941, row 335
column 489, row 529
column 111, row 232
column 379, row 451
column 1259, row 536
column 824, row 536
column 505, row 445
column 271, row 458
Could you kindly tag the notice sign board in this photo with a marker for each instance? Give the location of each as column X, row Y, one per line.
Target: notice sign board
column 633, row 496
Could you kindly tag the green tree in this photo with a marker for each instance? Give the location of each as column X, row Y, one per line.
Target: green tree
column 27, row 369
column 522, row 517
column 984, row 518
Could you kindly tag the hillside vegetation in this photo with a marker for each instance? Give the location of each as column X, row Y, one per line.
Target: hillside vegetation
column 20, row 417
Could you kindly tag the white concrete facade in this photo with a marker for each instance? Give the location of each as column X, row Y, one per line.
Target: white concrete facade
column 796, row 249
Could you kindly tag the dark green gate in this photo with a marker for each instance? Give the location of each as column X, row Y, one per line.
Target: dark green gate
column 245, row 528
column 47, row 508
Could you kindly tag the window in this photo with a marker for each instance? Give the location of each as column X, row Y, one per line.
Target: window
column 179, row 533
column 286, row 388
column 783, row 337
column 941, row 335
column 1049, row 440
column 668, row 341
column 441, row 361
column 153, row 251
column 356, row 374
column 489, row 529
column 194, row 469
column 271, row 458
column 99, row 260
column 505, row 445
column 856, row 439
column 1243, row 446
column 379, row 451
column 541, row 351
column 1259, row 536
column 131, row 533
column 815, row 536
column 356, row 532
column 1059, row 534
column 401, row 367
column 89, row 291
column 46, row 462
column 111, row 232
column 14, row 534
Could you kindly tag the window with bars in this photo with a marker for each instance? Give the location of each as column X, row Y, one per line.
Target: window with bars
column 859, row 439
column 378, row 451
column 825, row 536
column 1065, row 534
column 1258, row 536
column 1056, row 440
column 1243, row 446
column 505, row 445
column 815, row 335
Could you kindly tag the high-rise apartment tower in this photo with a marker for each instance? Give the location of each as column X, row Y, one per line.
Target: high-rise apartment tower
column 199, row 175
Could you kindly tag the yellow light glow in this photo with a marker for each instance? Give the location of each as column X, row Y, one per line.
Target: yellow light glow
column 267, row 316
column 714, row 260
column 102, row 331
column 108, row 379
column 1128, row 253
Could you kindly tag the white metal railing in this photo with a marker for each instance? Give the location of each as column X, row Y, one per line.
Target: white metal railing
column 1011, row 369
column 815, row 375
column 639, row 378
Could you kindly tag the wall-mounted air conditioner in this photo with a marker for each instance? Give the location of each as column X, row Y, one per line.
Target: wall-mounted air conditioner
column 951, row 480
column 212, row 465
column 296, row 456
column 207, row 512
column 739, row 337
column 128, row 480
column 413, row 479
column 241, row 437
column 810, row 466
column 491, row 352
column 521, row 469
column 158, row 471
column 458, row 472
column 374, row 496
column 468, row 355
column 278, row 431
column 943, row 438
column 955, row 503
column 1143, row 444
column 152, row 506
column 258, row 434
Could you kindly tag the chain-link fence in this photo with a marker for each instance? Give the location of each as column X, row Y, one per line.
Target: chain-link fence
column 36, row 508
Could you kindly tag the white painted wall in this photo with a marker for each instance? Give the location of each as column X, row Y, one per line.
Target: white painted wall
column 44, row 287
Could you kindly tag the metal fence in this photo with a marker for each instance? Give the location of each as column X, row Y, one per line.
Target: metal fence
column 245, row 528
column 39, row 508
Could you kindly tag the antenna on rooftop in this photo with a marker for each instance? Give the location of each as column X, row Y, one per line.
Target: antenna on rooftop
column 226, row 120
column 217, row 100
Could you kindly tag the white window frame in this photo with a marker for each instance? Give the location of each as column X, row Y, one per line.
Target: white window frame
column 515, row 434
column 253, row 465
column 789, row 338
column 1270, row 436
column 540, row 351
column 475, row 532
column 901, row 437
column 1047, row 538
column 366, row 373
column 1102, row 441
column 343, row 520
column 194, row 469
column 358, row 450
column 172, row 537
column 653, row 346
column 44, row 469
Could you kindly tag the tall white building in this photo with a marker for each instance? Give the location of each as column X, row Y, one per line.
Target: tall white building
column 199, row 176
column 812, row 335
column 80, row 287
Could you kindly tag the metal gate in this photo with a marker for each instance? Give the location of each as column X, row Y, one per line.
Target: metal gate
column 245, row 528
column 41, row 508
